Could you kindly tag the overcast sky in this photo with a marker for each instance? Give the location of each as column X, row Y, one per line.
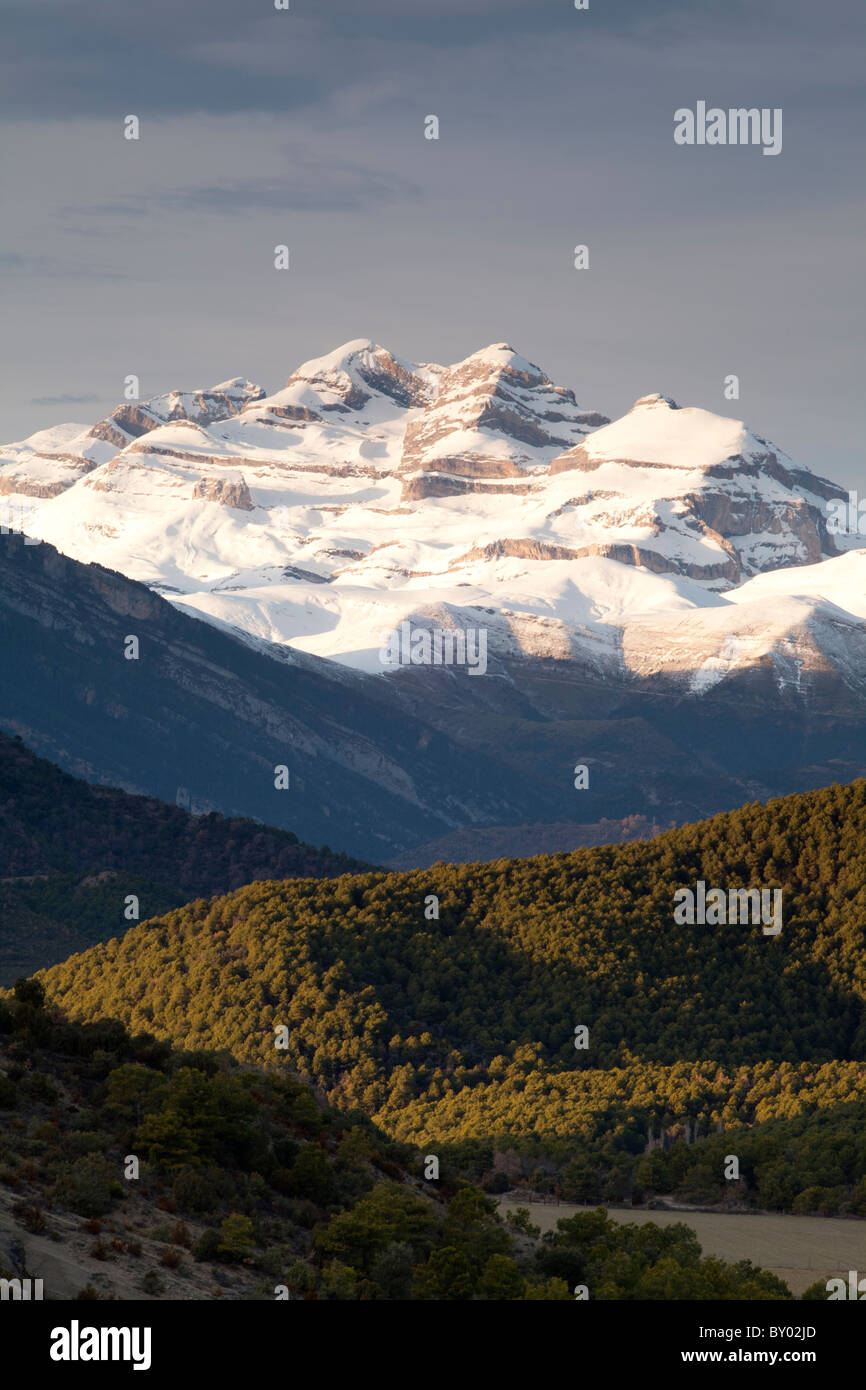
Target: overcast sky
column 306, row 127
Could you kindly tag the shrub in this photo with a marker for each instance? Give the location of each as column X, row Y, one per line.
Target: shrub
column 180, row 1234
column 207, row 1246
column 195, row 1190
column 501, row 1279
column 32, row 1218
column 89, row 1187
column 825, row 1200
column 38, row 1086
column 238, row 1237
column 29, row 992
column 519, row 1221
column 497, row 1182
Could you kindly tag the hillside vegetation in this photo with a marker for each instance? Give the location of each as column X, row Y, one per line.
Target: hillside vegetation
column 71, row 853
column 461, row 1030
column 250, row 1188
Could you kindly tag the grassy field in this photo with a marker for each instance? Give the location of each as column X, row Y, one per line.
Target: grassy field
column 799, row 1249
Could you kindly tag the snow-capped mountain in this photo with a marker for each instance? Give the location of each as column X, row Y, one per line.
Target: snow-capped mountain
column 371, row 490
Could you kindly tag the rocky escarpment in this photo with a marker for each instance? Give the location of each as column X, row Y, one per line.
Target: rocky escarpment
column 494, row 395
column 229, row 492
column 423, row 485
column 348, row 384
column 626, row 554
column 198, row 407
column 580, row 460
column 730, row 515
column 69, row 470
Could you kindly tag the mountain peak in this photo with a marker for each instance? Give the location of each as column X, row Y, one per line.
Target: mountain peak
column 500, row 357
column 341, row 359
column 495, row 417
column 307, row 549
column 345, row 378
column 655, row 398
column 235, row 386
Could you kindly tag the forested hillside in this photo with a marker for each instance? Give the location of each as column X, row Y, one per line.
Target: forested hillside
column 70, row 853
column 249, row 1188
column 462, row 1027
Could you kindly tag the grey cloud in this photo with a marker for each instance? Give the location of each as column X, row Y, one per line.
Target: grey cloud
column 556, row 129
column 63, row 400
column 118, row 56
column 306, row 187
column 16, row 266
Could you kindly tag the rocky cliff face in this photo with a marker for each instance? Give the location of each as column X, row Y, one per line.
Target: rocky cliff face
column 347, row 380
column 749, row 502
column 198, row 407
column 229, row 492
column 490, row 415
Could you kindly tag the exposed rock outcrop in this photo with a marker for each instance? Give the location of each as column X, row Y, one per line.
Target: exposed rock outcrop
column 229, row 492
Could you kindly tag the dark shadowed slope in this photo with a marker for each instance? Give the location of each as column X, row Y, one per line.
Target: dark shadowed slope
column 71, row 853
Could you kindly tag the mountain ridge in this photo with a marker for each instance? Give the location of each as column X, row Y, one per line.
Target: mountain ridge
column 203, row 710
column 379, row 767
column 459, row 1027
column 71, row 854
column 370, row 490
